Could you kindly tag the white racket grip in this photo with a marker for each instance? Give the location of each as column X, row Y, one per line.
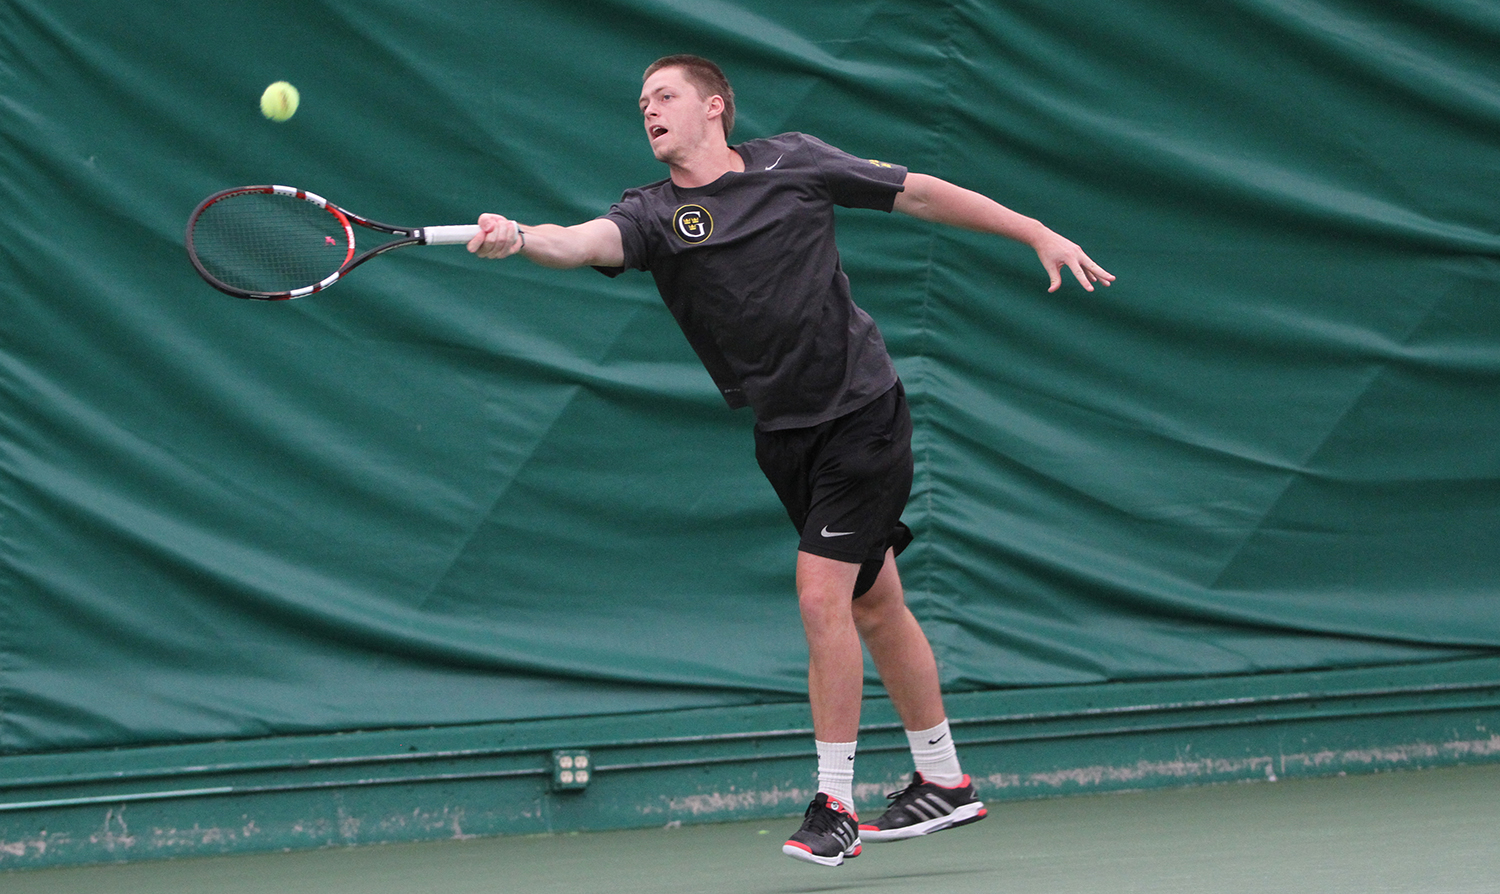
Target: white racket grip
column 449, row 235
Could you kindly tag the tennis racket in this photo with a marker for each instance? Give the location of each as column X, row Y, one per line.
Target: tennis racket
column 277, row 242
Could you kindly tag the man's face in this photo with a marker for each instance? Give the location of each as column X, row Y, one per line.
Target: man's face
column 676, row 116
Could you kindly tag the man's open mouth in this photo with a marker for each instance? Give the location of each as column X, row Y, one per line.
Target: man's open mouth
column 657, row 131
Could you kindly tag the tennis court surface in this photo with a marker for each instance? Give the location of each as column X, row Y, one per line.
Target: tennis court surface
column 1416, row 832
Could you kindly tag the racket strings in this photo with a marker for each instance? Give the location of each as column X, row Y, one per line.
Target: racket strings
column 264, row 242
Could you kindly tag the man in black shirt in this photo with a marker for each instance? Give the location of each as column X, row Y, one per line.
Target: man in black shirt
column 740, row 241
column 757, row 286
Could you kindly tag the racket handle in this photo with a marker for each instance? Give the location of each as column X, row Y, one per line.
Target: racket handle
column 449, row 235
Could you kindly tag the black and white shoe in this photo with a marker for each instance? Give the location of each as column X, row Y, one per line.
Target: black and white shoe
column 923, row 808
column 829, row 833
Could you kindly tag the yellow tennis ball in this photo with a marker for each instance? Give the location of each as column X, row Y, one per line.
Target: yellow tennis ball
column 279, row 102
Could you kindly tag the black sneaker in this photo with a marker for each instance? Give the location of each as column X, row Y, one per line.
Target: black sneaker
column 829, row 833
column 923, row 808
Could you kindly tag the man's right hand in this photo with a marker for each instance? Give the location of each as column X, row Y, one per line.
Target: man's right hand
column 498, row 237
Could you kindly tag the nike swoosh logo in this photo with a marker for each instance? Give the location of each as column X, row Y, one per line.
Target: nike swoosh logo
column 776, row 162
column 827, row 533
column 937, row 740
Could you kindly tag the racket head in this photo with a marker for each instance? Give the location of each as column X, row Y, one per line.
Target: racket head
column 269, row 242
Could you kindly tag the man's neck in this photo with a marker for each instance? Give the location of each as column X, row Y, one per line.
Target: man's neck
column 703, row 168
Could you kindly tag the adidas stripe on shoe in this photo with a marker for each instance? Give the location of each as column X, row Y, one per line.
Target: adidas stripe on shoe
column 829, row 833
column 923, row 808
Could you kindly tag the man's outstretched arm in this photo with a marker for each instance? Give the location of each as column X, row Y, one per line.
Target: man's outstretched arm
column 593, row 243
column 931, row 198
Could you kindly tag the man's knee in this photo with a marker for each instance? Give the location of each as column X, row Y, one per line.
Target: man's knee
column 878, row 610
column 825, row 587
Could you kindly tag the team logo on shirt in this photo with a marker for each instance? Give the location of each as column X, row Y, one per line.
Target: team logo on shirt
column 692, row 224
column 879, row 164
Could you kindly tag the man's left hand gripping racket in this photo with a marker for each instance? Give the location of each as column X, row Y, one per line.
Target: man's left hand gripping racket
column 278, row 242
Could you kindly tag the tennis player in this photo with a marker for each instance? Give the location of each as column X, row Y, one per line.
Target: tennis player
column 740, row 241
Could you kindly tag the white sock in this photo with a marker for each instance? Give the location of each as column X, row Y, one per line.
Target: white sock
column 836, row 771
column 936, row 759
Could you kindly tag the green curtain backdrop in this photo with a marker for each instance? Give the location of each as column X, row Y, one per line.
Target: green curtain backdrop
column 451, row 490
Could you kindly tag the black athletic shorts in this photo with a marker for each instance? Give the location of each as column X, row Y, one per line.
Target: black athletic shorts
column 844, row 483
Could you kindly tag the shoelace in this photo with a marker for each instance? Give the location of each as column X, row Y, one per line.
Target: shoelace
column 897, row 796
column 822, row 819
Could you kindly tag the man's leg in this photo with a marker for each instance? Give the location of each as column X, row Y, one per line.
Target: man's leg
column 835, row 666
column 940, row 795
column 902, row 655
column 835, row 685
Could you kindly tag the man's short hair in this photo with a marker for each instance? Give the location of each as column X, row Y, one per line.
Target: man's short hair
column 707, row 78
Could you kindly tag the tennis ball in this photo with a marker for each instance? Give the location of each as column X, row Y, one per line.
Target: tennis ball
column 279, row 102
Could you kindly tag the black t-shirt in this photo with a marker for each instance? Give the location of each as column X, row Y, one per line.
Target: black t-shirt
column 748, row 267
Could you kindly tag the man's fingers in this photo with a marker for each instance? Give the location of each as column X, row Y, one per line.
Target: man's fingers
column 1081, row 276
column 1083, row 267
column 1099, row 274
column 485, row 238
column 478, row 241
column 497, row 237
